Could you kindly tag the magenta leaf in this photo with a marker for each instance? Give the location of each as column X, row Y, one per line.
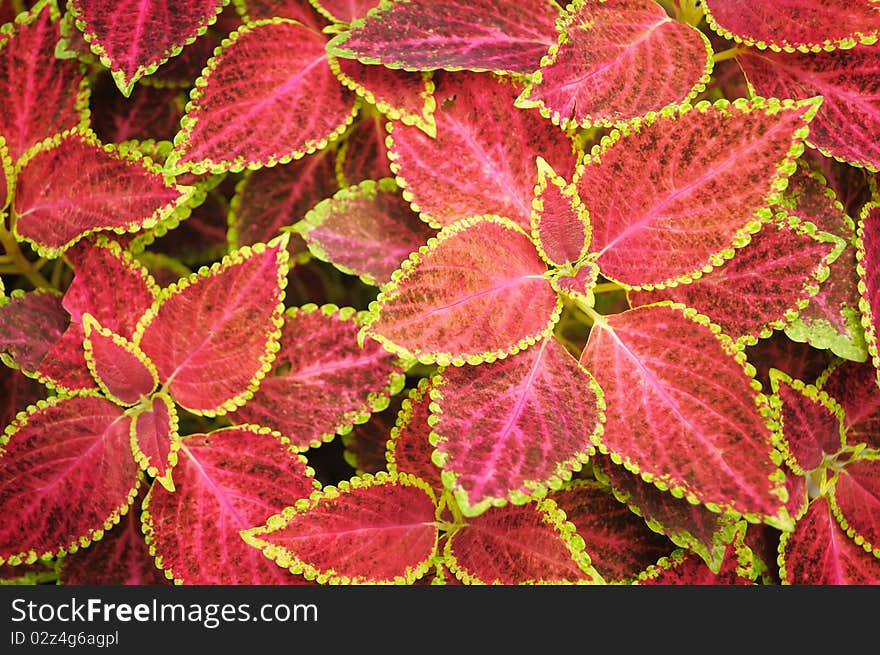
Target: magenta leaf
column 799, row 360
column 30, row 325
column 685, row 568
column 64, row 368
column 579, row 286
column 300, row 10
column 373, row 529
column 365, row 230
column 19, row 391
column 792, row 25
column 560, row 224
column 134, row 37
column 150, row 112
column 323, row 381
column 409, row 446
column 7, row 175
column 451, row 302
column 343, row 11
column 666, row 371
column 366, row 444
column 477, row 35
column 71, row 186
column 120, row 368
column 511, row 429
column 226, row 481
column 616, row 60
column 868, row 253
column 854, row 386
column 855, row 500
column 245, row 114
column 483, row 158
column 155, row 439
column 65, row 458
column 214, row 334
column 43, row 95
column 362, row 155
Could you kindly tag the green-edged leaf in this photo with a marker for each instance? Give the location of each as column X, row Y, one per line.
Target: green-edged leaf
column 409, row 446
column 373, row 529
column 560, row 224
column 150, row 112
column 366, row 444
column 855, row 500
column 19, row 391
column 685, row 568
column 854, row 386
column 683, row 412
column 251, row 10
column 665, row 207
column 121, row 369
column 30, row 325
column 7, row 175
column 244, row 113
column 615, row 60
column 155, row 439
column 363, row 155
column 65, row 459
column 799, row 360
column 323, row 382
column 343, row 11
column 579, row 285
column 452, row 301
column 213, row 335
column 868, row 254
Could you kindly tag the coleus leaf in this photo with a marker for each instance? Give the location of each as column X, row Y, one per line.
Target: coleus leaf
column 150, row 112
column 279, row 123
column 854, row 386
column 478, row 35
column 409, row 447
column 365, row 230
column 511, row 429
column 560, row 224
column 685, row 568
column 226, row 481
column 366, row 444
column 847, row 80
column 30, row 325
column 323, row 382
column 19, row 391
column 155, row 439
column 666, row 371
column 451, row 302
column 300, row 10
column 855, row 500
column 527, row 544
column 764, row 286
column 483, row 158
column 818, row 552
column 868, row 254
column 64, row 458
column 71, row 186
column 362, row 155
column 121, row 369
column 793, row 25
column 578, row 286
column 213, row 335
column 7, row 175
column 343, row 11
column 134, row 37
column 686, row 211
column 799, row 360
column 43, row 95
column 372, row 529
column 615, row 60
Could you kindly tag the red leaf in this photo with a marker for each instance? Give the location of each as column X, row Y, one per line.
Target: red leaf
column 323, row 382
column 409, row 448
column 370, row 530
column 365, row 230
column 579, row 286
column 344, row 11
column 477, row 35
column 483, row 158
column 19, row 391
column 854, row 386
column 452, row 302
column 362, row 155
column 65, row 459
column 120, row 368
column 616, row 60
column 244, row 114
column 301, row 10
column 684, row 568
column 856, row 502
column 560, row 224
column 778, row 351
column 7, row 175
column 213, row 335
column 64, row 368
column 227, row 480
column 155, row 440
column 686, row 210
column 134, row 37
column 868, row 253
column 150, row 112
column 366, row 444
column 30, row 325
column 682, row 411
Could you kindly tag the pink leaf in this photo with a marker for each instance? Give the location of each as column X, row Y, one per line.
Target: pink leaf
column 452, row 302
column 343, row 11
column 616, row 60
column 365, row 230
column 483, row 158
column 213, row 335
column 685, row 568
column 685, row 210
column 477, row 35
column 512, row 428
column 362, row 155
column 43, row 95
column 409, row 448
column 65, row 459
column 300, row 10
column 244, row 114
column 366, row 444
column 7, row 175
column 30, row 325
column 868, row 252
column 64, row 368
column 854, row 386
column 134, row 37
column 579, row 286
column 323, row 382
column 856, row 502
column 72, row 186
column 226, row 481
column 560, row 224
column 120, row 368
column 19, row 391
column 682, row 411
column 373, row 529
column 155, row 440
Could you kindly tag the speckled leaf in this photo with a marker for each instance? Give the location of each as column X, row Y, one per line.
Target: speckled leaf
column 64, row 368
column 477, row 35
column 683, row 413
column 854, row 386
column 7, row 175
column 799, row 360
column 409, row 448
column 453, row 302
column 366, row 444
column 66, row 459
column 30, row 325
column 155, row 439
column 343, row 11
column 300, row 10
column 615, row 60
column 868, row 253
column 560, row 224
column 685, row 568
column 685, row 211
column 213, row 335
column 848, row 80
column 792, row 25
column 120, row 368
column 818, row 552
column 373, row 529
column 483, row 159
column 150, row 112
column 510, row 429
column 134, row 37
column 362, row 155
column 579, row 286
column 19, row 391
column 42, row 94
column 72, row 186
column 246, row 114
column 855, row 500
column 365, row 230
column 322, row 382
column 227, row 481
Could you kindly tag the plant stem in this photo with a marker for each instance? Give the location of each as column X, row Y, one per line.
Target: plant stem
column 607, row 287
column 730, row 53
column 19, row 262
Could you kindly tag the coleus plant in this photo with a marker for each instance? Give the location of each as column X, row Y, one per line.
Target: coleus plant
column 439, row 292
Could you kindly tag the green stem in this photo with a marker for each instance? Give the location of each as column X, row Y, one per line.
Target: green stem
column 596, row 317
column 19, row 262
column 730, row 53
column 607, row 287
